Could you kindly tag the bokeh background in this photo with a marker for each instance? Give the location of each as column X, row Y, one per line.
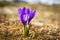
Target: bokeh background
column 44, row 26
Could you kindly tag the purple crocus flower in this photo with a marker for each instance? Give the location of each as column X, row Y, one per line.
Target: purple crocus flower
column 26, row 15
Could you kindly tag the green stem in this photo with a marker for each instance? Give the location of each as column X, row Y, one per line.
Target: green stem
column 26, row 30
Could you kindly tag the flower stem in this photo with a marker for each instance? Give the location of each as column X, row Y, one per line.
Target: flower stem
column 26, row 30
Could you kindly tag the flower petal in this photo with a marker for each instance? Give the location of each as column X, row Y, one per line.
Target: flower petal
column 28, row 11
column 32, row 14
column 19, row 10
column 24, row 16
column 24, row 9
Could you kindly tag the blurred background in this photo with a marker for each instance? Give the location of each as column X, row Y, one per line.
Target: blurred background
column 47, row 14
column 47, row 10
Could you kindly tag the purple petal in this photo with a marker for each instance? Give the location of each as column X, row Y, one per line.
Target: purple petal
column 24, row 9
column 28, row 11
column 32, row 14
column 24, row 16
column 20, row 11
